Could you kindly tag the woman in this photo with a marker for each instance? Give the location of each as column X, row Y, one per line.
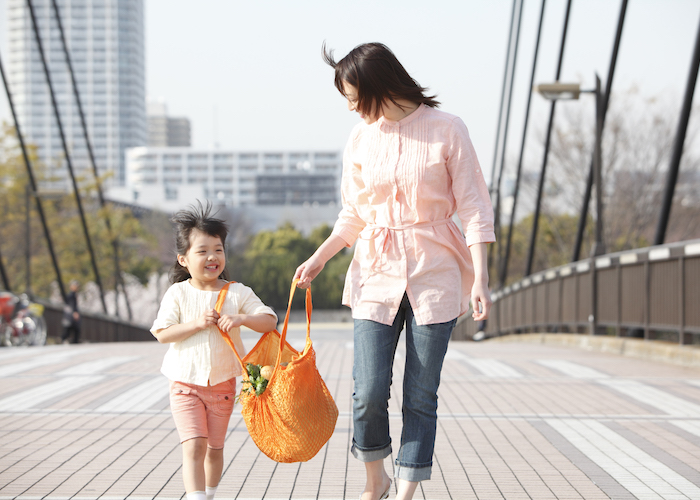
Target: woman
column 407, row 169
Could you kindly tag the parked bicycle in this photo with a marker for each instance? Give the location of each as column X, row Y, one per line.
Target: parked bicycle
column 21, row 321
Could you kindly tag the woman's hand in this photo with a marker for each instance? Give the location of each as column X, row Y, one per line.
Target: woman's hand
column 228, row 321
column 481, row 301
column 306, row 272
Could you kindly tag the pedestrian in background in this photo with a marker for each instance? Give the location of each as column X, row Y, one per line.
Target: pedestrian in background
column 71, row 315
column 407, row 169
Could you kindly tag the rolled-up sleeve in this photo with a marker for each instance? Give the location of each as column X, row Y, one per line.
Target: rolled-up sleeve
column 469, row 187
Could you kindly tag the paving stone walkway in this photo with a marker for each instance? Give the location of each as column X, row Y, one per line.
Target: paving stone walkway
column 516, row 421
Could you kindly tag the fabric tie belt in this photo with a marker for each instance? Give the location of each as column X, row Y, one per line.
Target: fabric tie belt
column 384, row 231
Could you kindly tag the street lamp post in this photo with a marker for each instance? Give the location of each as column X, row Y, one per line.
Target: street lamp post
column 568, row 91
column 555, row 91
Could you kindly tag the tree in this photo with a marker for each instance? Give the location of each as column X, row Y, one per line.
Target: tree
column 138, row 249
column 272, row 258
column 637, row 143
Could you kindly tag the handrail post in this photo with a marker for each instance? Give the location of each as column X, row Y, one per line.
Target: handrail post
column 681, row 295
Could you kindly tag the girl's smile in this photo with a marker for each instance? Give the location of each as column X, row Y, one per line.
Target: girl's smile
column 205, row 260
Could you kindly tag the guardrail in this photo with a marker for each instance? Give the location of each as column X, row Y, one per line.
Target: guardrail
column 651, row 293
column 96, row 327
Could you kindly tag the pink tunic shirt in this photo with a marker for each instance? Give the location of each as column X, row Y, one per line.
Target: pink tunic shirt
column 402, row 183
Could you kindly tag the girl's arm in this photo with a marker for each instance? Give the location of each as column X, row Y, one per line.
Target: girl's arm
column 261, row 323
column 306, row 272
column 181, row 331
column 480, row 289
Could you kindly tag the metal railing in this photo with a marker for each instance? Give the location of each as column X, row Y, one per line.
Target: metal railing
column 95, row 327
column 651, row 293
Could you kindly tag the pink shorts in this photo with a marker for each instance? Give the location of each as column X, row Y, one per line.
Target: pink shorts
column 202, row 411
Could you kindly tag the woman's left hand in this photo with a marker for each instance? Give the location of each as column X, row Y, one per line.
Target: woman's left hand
column 481, row 301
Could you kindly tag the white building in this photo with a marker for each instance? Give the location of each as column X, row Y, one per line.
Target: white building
column 105, row 39
column 169, row 179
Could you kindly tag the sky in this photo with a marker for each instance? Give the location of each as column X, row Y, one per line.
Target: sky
column 249, row 75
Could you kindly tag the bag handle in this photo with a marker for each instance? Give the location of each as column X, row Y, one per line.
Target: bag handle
column 283, row 336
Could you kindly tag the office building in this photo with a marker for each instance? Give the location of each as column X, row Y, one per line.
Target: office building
column 171, row 178
column 105, row 39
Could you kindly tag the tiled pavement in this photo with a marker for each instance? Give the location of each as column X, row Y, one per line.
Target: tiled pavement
column 516, row 421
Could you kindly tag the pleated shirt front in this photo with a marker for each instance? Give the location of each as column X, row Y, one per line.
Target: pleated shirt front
column 402, row 184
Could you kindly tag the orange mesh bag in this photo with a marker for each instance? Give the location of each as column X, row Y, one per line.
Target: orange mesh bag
column 295, row 415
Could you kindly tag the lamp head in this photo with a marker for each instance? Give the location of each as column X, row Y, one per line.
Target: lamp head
column 555, row 91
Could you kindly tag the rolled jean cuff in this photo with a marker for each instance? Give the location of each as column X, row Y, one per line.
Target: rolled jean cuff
column 412, row 473
column 370, row 455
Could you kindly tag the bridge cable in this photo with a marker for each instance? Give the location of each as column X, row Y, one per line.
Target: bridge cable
column 3, row 275
column 112, row 237
column 497, row 210
column 493, row 190
column 677, row 153
column 69, row 163
column 503, row 275
column 538, row 202
column 33, row 185
column 606, row 100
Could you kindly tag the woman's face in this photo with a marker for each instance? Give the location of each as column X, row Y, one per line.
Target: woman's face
column 351, row 95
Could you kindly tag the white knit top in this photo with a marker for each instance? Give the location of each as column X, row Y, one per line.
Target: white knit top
column 204, row 357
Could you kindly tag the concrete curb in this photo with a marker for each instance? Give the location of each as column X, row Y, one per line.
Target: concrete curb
column 649, row 350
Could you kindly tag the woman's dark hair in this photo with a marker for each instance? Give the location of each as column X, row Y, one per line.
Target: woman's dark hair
column 199, row 218
column 376, row 73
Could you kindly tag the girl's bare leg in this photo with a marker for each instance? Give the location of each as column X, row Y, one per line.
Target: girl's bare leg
column 193, row 453
column 214, row 466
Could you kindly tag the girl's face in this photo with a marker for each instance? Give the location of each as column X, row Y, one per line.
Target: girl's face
column 205, row 260
column 351, row 94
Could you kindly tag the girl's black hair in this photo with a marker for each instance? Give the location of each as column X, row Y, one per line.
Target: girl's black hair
column 199, row 218
column 378, row 76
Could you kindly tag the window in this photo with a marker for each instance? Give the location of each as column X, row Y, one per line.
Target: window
column 326, row 156
column 192, row 157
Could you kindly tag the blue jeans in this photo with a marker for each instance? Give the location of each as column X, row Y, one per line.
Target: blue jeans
column 375, row 345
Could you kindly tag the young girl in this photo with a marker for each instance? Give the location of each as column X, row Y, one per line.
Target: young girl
column 200, row 365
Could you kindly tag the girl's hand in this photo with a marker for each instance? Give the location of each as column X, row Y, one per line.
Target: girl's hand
column 480, row 297
column 228, row 321
column 209, row 318
column 306, row 272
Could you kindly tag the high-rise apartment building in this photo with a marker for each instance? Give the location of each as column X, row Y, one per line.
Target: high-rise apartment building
column 105, row 40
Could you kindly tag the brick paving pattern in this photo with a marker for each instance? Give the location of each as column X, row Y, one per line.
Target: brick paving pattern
column 516, row 421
